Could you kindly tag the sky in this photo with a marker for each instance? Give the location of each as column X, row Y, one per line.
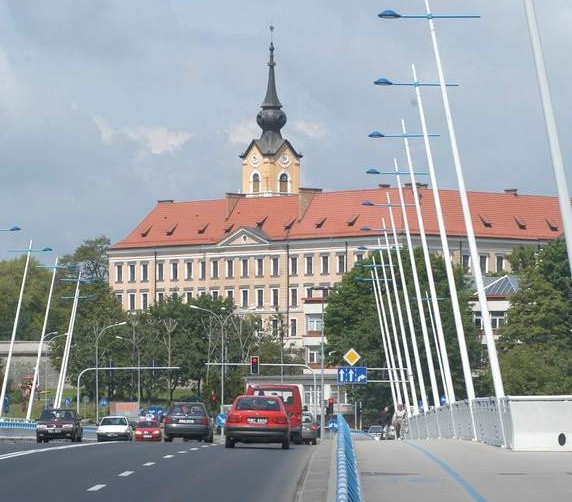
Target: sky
column 107, row 106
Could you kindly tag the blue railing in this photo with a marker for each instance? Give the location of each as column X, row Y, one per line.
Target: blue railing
column 17, row 423
column 348, row 485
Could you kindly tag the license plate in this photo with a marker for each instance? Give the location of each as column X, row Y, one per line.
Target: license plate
column 55, row 431
column 186, row 421
column 257, row 420
column 146, row 435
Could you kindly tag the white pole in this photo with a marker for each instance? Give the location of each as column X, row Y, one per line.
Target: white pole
column 14, row 330
column 420, row 308
column 475, row 261
column 428, row 265
column 434, row 331
column 37, row 367
column 409, row 376
column 392, row 382
column 557, row 163
column 392, row 366
column 409, row 315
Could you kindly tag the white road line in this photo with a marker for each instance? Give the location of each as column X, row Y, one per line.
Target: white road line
column 148, row 464
column 95, row 488
column 182, row 451
column 124, row 474
column 168, row 456
column 194, row 449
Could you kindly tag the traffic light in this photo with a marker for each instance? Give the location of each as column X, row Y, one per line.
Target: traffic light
column 214, row 398
column 254, row 366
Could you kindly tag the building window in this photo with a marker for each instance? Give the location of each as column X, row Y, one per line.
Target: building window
column 118, row 273
column 309, row 265
column 259, row 267
column 229, row 268
column 325, row 264
column 358, row 257
column 202, row 270
column 214, row 294
column 144, row 272
column 244, row 298
column 484, row 262
column 174, row 271
column 260, row 298
column 341, row 264
column 160, row 297
column 144, row 301
column 309, row 292
column 293, row 297
column 188, row 270
column 160, row 272
column 275, row 266
column 256, row 183
column 119, row 297
column 313, row 356
column 314, row 322
column 214, row 269
column 244, row 267
column 283, row 188
column 131, row 273
column 500, row 263
column 131, row 306
column 293, row 331
column 293, row 265
column 466, row 262
column 230, row 294
column 188, row 296
column 275, row 297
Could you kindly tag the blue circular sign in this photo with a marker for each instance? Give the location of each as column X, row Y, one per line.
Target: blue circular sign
column 103, row 401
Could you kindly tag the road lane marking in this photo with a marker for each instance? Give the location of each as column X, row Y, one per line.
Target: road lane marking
column 124, row 474
column 168, row 456
column 148, row 464
column 182, row 451
column 193, row 449
column 95, row 488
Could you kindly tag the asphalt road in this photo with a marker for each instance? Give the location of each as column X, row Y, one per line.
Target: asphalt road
column 178, row 471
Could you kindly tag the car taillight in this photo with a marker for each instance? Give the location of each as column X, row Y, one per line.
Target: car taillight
column 313, row 427
column 204, row 420
column 280, row 419
column 233, row 418
column 168, row 420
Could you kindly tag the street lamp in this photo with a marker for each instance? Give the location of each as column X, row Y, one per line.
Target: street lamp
column 28, row 251
column 324, row 290
column 97, row 365
column 221, row 321
column 138, row 367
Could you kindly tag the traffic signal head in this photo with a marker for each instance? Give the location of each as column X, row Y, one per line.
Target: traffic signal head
column 254, row 365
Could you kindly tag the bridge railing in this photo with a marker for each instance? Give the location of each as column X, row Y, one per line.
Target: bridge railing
column 347, row 485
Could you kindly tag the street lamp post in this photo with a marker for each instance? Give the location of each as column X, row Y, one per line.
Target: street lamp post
column 324, row 290
column 97, row 365
column 46, row 343
column 29, row 251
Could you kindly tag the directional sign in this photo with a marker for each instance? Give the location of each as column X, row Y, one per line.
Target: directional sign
column 220, row 419
column 352, row 374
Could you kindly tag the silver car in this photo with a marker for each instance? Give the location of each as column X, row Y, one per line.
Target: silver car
column 309, row 429
column 187, row 420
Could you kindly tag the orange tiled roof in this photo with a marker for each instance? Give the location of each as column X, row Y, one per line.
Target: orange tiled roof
column 313, row 214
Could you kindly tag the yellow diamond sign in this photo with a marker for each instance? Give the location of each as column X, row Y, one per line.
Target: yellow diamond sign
column 351, row 357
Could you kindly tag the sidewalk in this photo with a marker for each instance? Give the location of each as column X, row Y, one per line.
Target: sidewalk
column 319, row 484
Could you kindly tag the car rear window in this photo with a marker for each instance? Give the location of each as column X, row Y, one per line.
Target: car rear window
column 307, row 419
column 114, row 421
column 286, row 394
column 257, row 403
column 147, row 423
column 187, row 409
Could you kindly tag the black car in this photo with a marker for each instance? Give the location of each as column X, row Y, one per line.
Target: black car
column 188, row 421
column 59, row 423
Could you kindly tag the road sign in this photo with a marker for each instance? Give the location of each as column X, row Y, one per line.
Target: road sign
column 351, row 357
column 102, row 401
column 220, row 419
column 352, row 374
column 67, row 402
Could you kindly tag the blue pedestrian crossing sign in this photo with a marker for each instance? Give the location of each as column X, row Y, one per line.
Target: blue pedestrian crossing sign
column 352, row 374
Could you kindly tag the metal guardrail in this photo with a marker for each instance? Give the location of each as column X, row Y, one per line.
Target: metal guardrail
column 347, row 485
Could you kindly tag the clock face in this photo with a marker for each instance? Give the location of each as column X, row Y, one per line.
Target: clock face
column 284, row 160
column 255, row 160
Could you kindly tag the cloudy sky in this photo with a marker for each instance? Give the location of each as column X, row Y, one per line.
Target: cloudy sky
column 107, row 106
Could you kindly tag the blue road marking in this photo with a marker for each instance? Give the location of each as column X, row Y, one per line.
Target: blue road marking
column 470, row 489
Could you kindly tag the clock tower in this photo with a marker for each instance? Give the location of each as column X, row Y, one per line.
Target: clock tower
column 270, row 165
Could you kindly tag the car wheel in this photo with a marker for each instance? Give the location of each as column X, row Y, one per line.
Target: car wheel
column 286, row 444
column 228, row 443
column 168, row 439
column 38, row 440
column 314, row 441
column 99, row 440
column 209, row 439
column 79, row 439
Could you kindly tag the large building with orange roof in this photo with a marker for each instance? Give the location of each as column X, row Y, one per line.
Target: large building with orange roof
column 268, row 246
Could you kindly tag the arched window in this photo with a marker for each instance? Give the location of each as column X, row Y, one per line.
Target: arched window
column 283, row 188
column 255, row 183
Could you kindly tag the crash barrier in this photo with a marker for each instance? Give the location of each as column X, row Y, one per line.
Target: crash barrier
column 17, row 423
column 523, row 423
column 348, row 485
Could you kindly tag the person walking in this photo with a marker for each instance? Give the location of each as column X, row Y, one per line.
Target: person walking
column 399, row 421
column 385, row 421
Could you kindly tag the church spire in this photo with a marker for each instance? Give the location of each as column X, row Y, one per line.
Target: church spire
column 271, row 118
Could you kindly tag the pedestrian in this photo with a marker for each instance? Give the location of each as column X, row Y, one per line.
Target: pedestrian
column 399, row 421
column 385, row 421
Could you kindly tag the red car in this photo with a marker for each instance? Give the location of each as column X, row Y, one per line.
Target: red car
column 147, row 430
column 257, row 419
